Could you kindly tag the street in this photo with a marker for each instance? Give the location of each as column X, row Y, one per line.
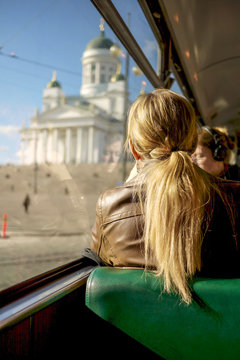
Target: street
column 22, row 257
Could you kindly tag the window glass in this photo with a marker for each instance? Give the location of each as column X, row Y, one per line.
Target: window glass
column 59, row 145
column 133, row 16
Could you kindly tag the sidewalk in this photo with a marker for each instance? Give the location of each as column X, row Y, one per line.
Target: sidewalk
column 22, row 257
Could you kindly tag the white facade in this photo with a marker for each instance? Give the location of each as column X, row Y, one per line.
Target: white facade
column 75, row 129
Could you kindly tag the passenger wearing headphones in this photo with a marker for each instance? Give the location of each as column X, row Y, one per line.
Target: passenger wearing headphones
column 213, row 153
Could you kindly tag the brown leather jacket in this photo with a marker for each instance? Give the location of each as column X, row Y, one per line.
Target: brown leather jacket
column 117, row 234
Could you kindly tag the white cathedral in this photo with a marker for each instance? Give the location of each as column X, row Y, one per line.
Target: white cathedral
column 75, row 129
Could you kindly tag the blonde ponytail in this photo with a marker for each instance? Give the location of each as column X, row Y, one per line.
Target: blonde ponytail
column 174, row 192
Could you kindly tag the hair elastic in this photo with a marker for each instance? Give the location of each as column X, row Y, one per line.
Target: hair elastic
column 174, row 149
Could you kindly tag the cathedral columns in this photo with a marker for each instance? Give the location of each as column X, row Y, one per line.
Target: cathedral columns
column 44, row 145
column 96, row 146
column 79, row 145
column 90, row 144
column 55, row 146
column 68, row 146
column 62, row 145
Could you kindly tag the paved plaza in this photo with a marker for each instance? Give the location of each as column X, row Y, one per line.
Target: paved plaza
column 57, row 225
column 22, row 257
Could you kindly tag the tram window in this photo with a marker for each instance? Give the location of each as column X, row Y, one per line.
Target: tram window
column 59, row 145
column 133, row 16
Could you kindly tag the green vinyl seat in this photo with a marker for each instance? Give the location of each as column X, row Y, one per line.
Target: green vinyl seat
column 133, row 301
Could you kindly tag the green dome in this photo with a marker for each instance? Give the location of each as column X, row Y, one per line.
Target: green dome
column 54, row 83
column 117, row 77
column 101, row 42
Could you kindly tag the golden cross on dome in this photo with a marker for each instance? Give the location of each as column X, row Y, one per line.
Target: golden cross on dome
column 101, row 26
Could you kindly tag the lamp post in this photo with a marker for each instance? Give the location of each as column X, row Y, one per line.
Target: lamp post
column 35, row 169
column 116, row 51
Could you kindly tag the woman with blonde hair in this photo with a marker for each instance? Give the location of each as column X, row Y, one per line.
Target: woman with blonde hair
column 172, row 217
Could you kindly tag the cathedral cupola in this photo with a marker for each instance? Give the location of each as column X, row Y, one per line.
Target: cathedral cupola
column 98, row 65
column 54, row 83
column 100, row 42
column 53, row 95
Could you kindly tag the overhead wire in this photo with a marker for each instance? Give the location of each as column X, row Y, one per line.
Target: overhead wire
column 133, row 87
column 34, row 75
column 14, row 56
column 37, row 63
column 21, row 29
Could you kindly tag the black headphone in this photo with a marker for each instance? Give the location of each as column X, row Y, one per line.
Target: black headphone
column 218, row 149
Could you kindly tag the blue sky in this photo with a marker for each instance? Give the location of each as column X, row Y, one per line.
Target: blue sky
column 50, row 35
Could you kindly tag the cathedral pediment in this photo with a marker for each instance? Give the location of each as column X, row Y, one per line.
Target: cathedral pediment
column 63, row 113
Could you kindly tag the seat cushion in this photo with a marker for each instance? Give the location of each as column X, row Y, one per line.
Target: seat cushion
column 133, row 301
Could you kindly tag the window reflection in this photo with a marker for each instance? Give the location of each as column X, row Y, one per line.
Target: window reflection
column 63, row 106
column 133, row 16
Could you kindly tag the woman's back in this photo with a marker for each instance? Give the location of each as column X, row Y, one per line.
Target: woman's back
column 118, row 232
column 163, row 217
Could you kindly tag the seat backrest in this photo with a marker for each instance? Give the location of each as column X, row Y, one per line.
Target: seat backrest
column 132, row 300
